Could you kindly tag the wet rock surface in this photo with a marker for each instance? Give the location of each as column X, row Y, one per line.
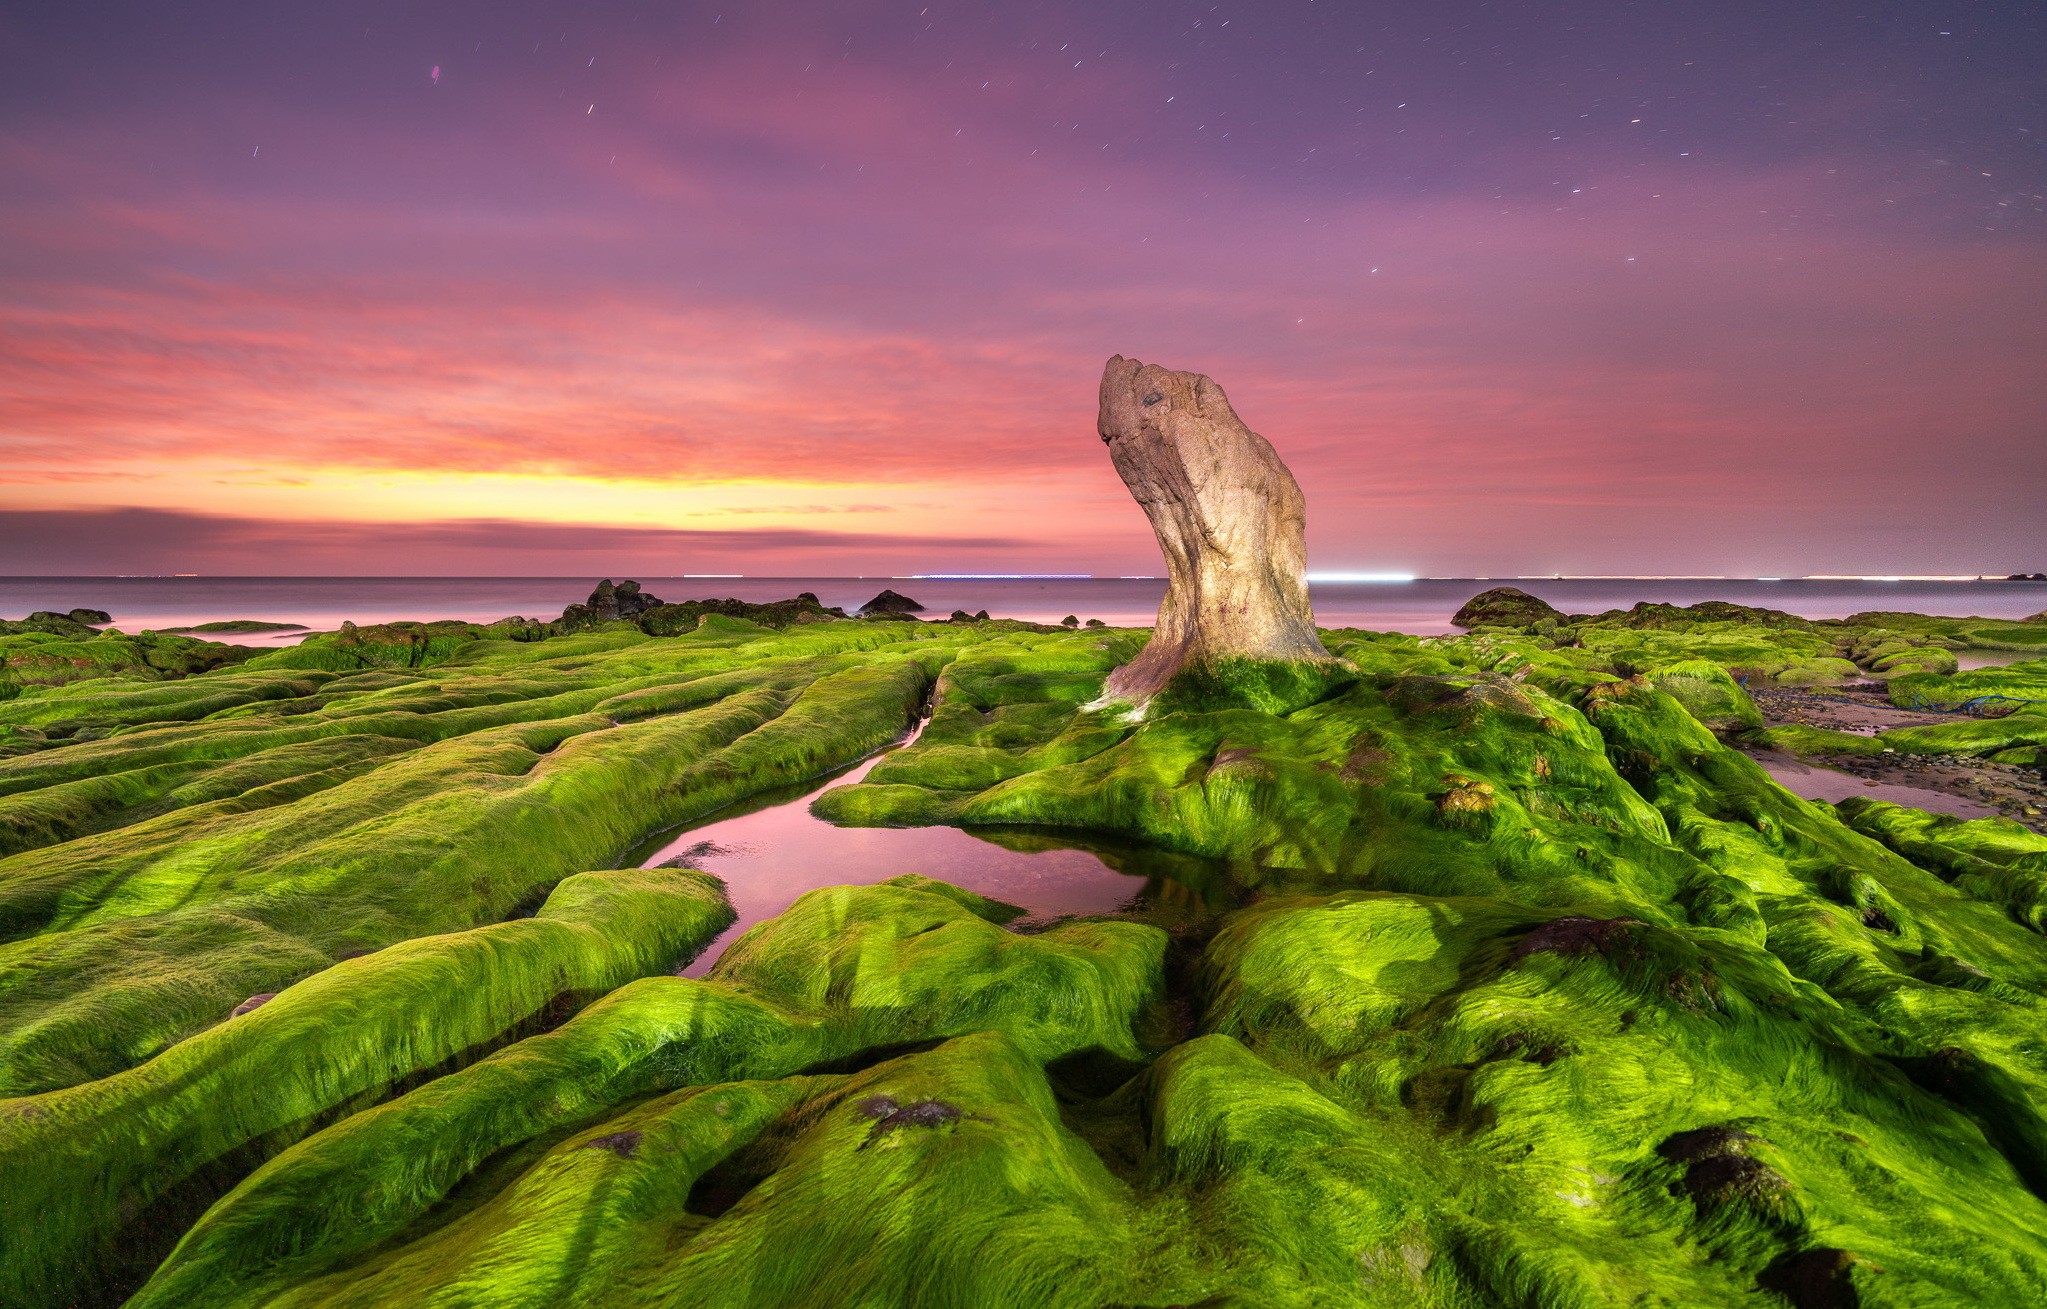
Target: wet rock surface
column 1575, row 934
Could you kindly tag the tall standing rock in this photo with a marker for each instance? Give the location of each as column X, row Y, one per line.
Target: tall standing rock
column 1230, row 519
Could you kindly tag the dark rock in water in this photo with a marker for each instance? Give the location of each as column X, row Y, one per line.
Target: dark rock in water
column 1505, row 606
column 888, row 602
column 1230, row 520
column 960, row 616
column 90, row 616
column 1096, row 622
column 981, row 615
column 253, row 1002
column 624, row 601
column 1069, row 621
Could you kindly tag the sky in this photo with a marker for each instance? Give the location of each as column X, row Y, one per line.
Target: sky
column 797, row 287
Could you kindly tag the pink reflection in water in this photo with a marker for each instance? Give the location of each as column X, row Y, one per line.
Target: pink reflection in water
column 770, row 857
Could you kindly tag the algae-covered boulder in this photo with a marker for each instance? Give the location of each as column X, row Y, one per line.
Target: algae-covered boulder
column 1506, row 606
column 1710, row 693
column 50, row 623
column 39, row 657
column 675, row 619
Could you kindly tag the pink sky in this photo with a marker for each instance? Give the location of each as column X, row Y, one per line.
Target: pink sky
column 754, row 299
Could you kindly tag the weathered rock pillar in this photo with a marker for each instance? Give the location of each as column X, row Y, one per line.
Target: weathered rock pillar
column 1230, row 519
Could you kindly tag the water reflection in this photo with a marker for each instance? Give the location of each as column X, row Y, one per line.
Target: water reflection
column 770, row 849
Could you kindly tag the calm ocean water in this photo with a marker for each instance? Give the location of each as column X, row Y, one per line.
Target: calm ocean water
column 1422, row 607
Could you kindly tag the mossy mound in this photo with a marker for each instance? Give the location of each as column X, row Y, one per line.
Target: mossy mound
column 243, row 625
column 675, row 619
column 396, row 645
column 2028, row 634
column 34, row 659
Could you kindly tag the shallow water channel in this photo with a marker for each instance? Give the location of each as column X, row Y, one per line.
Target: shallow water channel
column 1818, row 782
column 769, row 850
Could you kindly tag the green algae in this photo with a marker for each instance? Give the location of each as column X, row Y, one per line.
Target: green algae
column 1523, row 987
column 33, row 660
column 843, row 971
column 246, row 1088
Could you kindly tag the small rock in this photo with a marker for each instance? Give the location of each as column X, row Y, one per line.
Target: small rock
column 890, row 1115
column 1813, row 1279
column 623, row 1144
column 890, row 602
column 253, row 1002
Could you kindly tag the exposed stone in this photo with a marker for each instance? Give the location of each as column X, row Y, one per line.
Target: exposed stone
column 1576, row 934
column 1820, row 1278
column 1505, row 606
column 1229, row 518
column 889, row 602
column 625, row 600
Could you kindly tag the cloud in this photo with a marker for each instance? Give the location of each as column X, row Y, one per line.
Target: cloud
column 128, row 540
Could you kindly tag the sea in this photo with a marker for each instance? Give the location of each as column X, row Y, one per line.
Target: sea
column 1421, row 606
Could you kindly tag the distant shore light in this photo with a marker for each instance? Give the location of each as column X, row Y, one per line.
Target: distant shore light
column 1361, row 577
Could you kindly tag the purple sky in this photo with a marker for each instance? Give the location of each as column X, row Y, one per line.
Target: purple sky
column 826, row 288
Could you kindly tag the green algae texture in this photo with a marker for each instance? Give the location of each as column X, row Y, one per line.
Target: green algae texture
column 1496, row 977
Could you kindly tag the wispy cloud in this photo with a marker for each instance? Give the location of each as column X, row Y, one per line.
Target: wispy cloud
column 136, row 540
